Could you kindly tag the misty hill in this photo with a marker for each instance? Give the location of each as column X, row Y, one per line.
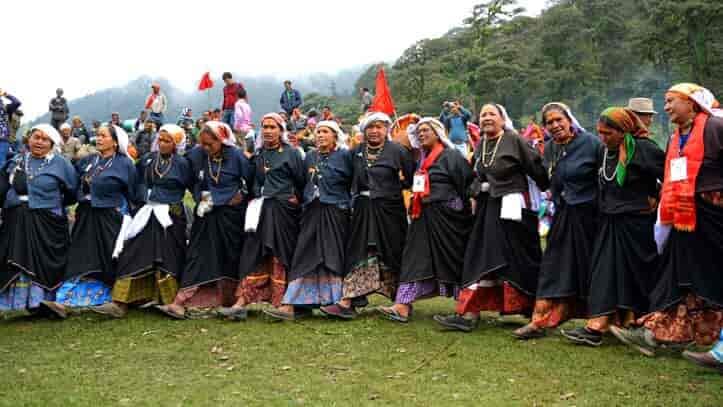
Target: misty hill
column 263, row 94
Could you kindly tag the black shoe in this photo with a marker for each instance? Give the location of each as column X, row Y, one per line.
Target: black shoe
column 359, row 302
column 583, row 336
column 457, row 322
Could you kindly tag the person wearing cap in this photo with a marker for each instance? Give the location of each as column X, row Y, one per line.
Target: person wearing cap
column 58, row 108
column 106, row 193
column 570, row 158
column 441, row 219
column 290, row 99
column 317, row 267
column 71, row 145
column 624, row 257
column 687, row 300
column 272, row 220
column 221, row 176
column 502, row 258
column 156, row 104
column 35, row 188
column 9, row 104
column 151, row 251
column 643, row 107
column 382, row 170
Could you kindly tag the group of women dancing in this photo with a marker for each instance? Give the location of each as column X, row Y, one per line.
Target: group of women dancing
column 635, row 245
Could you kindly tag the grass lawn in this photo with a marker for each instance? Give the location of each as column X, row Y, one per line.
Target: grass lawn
column 148, row 360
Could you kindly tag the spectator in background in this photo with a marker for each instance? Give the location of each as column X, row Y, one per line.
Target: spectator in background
column 115, row 119
column 455, row 117
column 94, row 132
column 71, row 145
column 15, row 123
column 230, row 96
column 327, row 114
column 290, row 98
column 215, row 115
column 157, row 104
column 297, row 121
column 643, row 107
column 185, row 120
column 366, row 99
column 58, row 109
column 9, row 104
column 241, row 118
column 140, row 121
column 79, row 131
column 144, row 138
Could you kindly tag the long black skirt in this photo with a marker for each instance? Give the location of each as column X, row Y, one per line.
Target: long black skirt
column 693, row 261
column 155, row 248
column 379, row 224
column 322, row 240
column 215, row 246
column 92, row 242
column 34, row 242
column 275, row 236
column 624, row 264
column 565, row 266
column 503, row 249
column 435, row 244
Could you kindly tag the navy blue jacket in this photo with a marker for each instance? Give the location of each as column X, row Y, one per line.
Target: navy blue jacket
column 234, row 176
column 290, row 103
column 331, row 175
column 280, row 173
column 573, row 168
column 51, row 187
column 168, row 189
column 114, row 187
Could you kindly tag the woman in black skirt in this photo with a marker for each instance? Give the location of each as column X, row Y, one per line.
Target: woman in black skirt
column 272, row 220
column 441, row 221
column 502, row 259
column 315, row 276
column 35, row 187
column 571, row 161
column 105, row 195
column 625, row 255
column 221, row 175
column 152, row 248
column 382, row 170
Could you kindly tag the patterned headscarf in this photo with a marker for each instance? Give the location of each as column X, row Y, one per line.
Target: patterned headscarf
column 177, row 134
column 222, row 132
column 626, row 121
column 700, row 95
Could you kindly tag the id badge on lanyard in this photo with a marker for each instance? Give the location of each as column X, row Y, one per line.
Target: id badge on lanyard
column 679, row 169
column 419, row 184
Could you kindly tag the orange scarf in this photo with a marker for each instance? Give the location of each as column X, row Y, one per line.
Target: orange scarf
column 677, row 205
column 418, row 196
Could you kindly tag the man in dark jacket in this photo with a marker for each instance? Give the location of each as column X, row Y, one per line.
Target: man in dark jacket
column 144, row 138
column 58, row 109
column 290, row 98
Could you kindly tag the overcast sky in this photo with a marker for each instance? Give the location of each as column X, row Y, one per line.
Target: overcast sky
column 84, row 46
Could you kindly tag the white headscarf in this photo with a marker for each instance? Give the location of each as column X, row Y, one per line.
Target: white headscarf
column 436, row 125
column 64, row 126
column 575, row 124
column 701, row 96
column 341, row 137
column 374, row 117
column 508, row 122
column 177, row 134
column 222, row 131
column 53, row 134
column 122, row 138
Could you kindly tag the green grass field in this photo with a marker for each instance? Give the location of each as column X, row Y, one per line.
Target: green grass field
column 148, row 360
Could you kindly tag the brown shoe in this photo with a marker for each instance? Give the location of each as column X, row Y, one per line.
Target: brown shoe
column 704, row 359
column 54, row 308
column 529, row 331
column 110, row 309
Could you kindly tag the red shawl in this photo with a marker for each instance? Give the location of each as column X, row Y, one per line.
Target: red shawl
column 677, row 205
column 418, row 196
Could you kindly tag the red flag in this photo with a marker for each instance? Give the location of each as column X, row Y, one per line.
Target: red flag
column 383, row 98
column 206, row 82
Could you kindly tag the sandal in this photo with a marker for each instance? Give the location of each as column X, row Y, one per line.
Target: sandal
column 529, row 331
column 393, row 315
column 166, row 309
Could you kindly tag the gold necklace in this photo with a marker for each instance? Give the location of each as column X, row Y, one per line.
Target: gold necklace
column 494, row 151
column 217, row 177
